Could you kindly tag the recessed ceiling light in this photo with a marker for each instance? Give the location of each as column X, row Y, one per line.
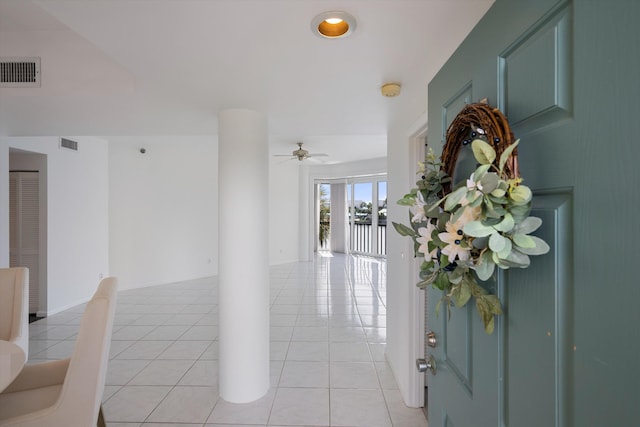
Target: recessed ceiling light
column 333, row 25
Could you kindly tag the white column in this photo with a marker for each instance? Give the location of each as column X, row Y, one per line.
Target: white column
column 243, row 251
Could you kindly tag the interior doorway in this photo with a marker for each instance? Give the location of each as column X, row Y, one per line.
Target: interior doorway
column 27, row 223
column 324, row 216
column 367, row 211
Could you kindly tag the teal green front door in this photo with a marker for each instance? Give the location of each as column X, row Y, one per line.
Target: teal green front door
column 566, row 350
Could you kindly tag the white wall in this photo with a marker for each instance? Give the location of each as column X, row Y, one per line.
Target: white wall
column 77, row 215
column 284, row 211
column 404, row 300
column 74, row 71
column 163, row 209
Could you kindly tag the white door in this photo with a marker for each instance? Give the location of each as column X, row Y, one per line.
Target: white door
column 24, row 219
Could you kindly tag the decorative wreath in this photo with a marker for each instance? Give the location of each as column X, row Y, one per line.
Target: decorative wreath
column 481, row 121
column 464, row 230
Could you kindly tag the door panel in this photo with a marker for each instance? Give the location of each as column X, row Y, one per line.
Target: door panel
column 24, row 219
column 539, row 323
column 535, row 80
column 457, row 341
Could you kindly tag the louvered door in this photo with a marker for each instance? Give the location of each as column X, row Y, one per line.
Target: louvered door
column 24, row 221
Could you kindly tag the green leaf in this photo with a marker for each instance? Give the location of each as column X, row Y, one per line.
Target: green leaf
column 426, row 269
column 498, row 193
column 494, row 303
column 477, row 229
column 461, row 294
column 506, row 225
column 472, row 196
column 476, row 202
column 485, row 267
column 454, row 198
column 541, row 247
column 488, row 208
column 497, row 200
column 455, row 215
column 523, row 241
column 497, row 243
column 484, row 309
column 442, row 281
column 517, row 259
column 456, row 276
column 520, row 212
column 489, row 325
column 423, row 284
column 403, row 230
column 480, row 172
column 529, row 225
column 521, row 195
column 480, row 242
column 506, row 153
column 432, row 186
column 483, row 152
column 431, row 176
column 406, row 201
column 489, row 182
column 506, row 250
column 431, row 212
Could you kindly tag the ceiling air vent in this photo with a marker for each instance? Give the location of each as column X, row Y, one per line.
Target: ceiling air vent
column 68, row 144
column 19, row 71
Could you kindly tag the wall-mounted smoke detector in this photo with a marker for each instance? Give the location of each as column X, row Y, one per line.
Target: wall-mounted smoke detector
column 390, row 90
column 20, row 71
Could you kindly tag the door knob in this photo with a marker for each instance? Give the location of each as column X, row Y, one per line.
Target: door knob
column 426, row 364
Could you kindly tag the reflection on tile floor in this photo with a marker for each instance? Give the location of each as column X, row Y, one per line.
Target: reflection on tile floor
column 328, row 335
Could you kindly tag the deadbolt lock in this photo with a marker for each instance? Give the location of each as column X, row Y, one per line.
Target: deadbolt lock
column 431, row 339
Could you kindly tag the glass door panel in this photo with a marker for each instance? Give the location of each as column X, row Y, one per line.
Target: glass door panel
column 362, row 207
column 381, row 229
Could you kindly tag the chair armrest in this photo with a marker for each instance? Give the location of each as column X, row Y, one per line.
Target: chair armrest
column 39, row 375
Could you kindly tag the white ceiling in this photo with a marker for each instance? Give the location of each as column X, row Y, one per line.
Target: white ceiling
column 166, row 67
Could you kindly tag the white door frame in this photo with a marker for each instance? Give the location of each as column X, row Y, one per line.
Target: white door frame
column 416, row 138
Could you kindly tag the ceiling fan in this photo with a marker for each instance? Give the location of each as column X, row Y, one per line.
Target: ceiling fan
column 301, row 154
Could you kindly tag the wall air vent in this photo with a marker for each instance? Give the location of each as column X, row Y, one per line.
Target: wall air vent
column 20, row 71
column 68, row 144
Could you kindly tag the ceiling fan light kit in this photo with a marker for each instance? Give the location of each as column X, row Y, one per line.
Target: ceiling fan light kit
column 301, row 154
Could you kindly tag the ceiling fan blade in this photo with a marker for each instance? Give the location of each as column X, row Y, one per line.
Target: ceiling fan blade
column 318, row 155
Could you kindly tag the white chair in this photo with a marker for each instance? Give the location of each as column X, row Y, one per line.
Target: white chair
column 14, row 306
column 67, row 393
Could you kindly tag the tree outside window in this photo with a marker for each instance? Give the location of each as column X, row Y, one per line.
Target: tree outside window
column 325, row 214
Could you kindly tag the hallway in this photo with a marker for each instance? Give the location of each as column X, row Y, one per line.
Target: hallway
column 328, row 337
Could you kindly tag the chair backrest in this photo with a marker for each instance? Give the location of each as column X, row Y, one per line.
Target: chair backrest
column 81, row 394
column 14, row 306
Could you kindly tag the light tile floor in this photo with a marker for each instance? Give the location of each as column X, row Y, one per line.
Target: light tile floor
column 328, row 337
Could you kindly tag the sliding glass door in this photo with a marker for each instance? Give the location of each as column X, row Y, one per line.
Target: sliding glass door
column 367, row 212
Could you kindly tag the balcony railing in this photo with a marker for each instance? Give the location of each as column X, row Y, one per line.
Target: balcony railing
column 362, row 240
